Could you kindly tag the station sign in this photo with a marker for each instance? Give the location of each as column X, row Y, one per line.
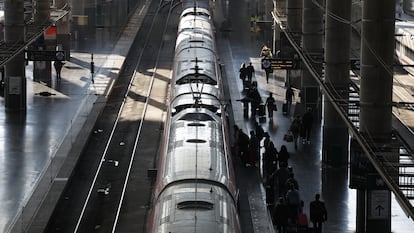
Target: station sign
column 280, row 64
column 45, row 55
column 379, row 207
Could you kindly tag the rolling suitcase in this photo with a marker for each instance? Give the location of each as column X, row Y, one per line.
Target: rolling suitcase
column 284, row 108
column 262, row 110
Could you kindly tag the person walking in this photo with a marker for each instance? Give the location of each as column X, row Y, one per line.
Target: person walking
column 318, row 213
column 265, row 52
column 289, row 96
column 307, row 121
column 249, row 71
column 293, row 201
column 280, row 216
column 270, row 103
column 283, row 155
column 58, row 67
column 243, row 72
column 255, row 99
column 295, row 128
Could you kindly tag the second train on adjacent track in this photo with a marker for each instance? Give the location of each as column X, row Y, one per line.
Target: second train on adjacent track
column 195, row 188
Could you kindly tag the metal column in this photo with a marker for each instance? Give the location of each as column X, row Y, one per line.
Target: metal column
column 63, row 29
column 15, row 77
column 312, row 37
column 377, row 54
column 337, row 44
column 42, row 69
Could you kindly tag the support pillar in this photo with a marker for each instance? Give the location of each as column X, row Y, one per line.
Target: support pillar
column 377, row 53
column 294, row 19
column 312, row 37
column 42, row 69
column 337, row 41
column 63, row 29
column 294, row 28
column 15, row 77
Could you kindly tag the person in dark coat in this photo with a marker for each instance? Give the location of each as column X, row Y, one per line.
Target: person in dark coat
column 295, row 128
column 255, row 99
column 243, row 146
column 292, row 181
column 269, row 160
column 243, row 72
column 293, row 201
column 270, row 102
column 249, row 71
column 318, row 213
column 254, row 147
column 307, row 121
column 58, row 67
column 289, row 95
column 281, row 216
column 281, row 175
column 284, row 155
column 259, row 131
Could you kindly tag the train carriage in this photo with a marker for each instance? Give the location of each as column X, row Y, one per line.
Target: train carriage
column 195, row 187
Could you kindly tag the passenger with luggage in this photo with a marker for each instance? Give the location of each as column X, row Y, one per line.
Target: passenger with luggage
column 318, row 213
column 255, row 99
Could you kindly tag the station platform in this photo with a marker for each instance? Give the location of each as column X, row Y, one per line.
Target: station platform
column 237, row 45
column 40, row 147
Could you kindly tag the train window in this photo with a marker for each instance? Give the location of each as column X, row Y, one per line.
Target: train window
column 196, row 141
column 195, row 205
column 196, row 41
column 196, row 116
column 196, row 124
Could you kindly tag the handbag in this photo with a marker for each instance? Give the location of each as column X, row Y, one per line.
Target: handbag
column 288, row 137
column 274, row 106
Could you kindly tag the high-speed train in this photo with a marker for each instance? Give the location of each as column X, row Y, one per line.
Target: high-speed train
column 195, row 188
column 404, row 44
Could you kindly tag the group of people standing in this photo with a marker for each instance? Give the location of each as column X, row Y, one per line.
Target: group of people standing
column 301, row 126
column 288, row 212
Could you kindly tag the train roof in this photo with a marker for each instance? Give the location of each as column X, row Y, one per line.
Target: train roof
column 211, row 204
column 196, row 149
column 195, row 94
column 195, row 11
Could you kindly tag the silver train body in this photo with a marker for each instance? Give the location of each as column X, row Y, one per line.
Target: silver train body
column 404, row 44
column 195, row 189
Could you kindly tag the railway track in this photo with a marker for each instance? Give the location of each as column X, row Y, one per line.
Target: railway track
column 109, row 190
